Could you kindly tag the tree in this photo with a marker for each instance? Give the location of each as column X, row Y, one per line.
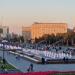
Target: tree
column 22, row 39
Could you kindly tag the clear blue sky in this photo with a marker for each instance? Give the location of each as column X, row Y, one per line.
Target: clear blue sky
column 17, row 13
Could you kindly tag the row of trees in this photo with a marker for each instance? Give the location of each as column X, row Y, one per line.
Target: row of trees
column 67, row 38
column 49, row 39
column 16, row 38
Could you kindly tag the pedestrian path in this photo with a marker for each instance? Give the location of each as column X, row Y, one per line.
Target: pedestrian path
column 27, row 57
column 23, row 64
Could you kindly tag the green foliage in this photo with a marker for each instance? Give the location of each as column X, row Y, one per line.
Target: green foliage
column 50, row 39
column 5, row 65
column 1, row 30
column 22, row 39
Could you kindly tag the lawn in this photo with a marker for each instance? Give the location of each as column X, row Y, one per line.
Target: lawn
column 6, row 65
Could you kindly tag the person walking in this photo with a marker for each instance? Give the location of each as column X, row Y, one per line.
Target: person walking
column 30, row 69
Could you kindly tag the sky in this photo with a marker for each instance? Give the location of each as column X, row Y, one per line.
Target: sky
column 18, row 13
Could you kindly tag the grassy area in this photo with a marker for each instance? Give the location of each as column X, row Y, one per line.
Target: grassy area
column 6, row 65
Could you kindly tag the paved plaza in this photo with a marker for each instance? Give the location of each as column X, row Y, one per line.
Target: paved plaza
column 23, row 64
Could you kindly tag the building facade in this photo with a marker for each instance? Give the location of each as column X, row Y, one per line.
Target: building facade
column 26, row 32
column 39, row 29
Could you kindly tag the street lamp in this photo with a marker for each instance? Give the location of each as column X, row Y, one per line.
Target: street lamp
column 3, row 42
column 3, row 54
column 3, row 60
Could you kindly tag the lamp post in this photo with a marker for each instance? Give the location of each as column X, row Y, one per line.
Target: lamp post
column 3, row 55
column 3, row 42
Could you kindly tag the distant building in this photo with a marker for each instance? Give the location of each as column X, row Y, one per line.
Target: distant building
column 39, row 29
column 4, row 30
column 26, row 32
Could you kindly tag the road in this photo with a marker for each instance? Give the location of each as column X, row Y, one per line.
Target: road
column 22, row 64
